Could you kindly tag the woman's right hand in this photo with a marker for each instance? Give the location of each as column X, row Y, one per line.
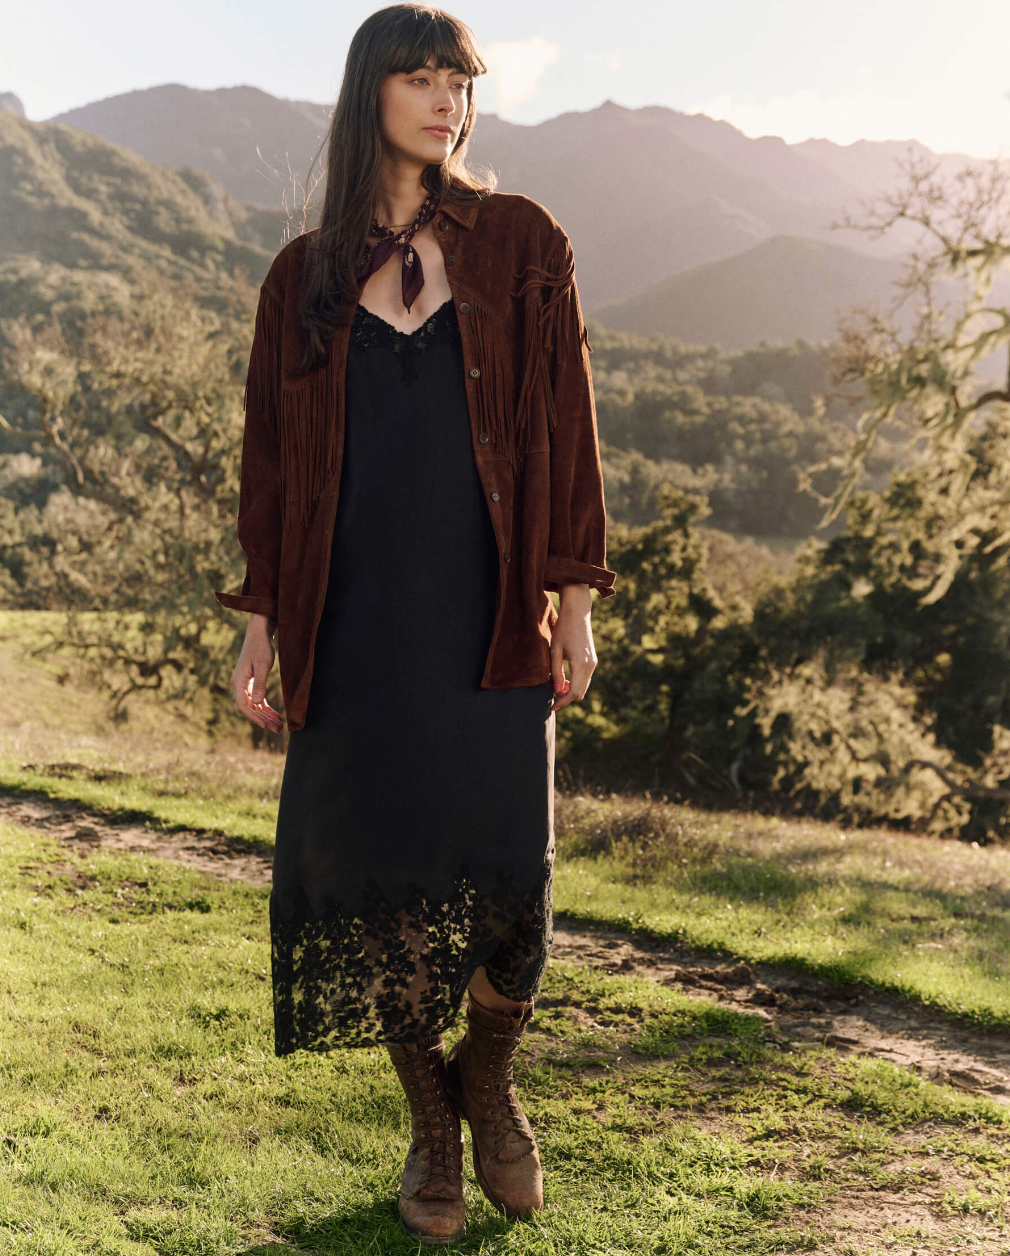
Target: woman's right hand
column 249, row 679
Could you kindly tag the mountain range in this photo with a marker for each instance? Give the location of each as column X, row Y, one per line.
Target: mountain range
column 681, row 224
column 85, row 223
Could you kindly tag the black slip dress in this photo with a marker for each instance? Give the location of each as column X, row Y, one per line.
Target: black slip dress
column 415, row 835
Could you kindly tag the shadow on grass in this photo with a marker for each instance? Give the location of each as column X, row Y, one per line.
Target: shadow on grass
column 269, row 1249
column 375, row 1230
column 747, row 878
column 742, row 877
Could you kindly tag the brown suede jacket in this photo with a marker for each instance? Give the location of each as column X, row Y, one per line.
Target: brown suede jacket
column 511, row 273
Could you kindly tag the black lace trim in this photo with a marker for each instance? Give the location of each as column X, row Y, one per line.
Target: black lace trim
column 355, row 981
column 370, row 331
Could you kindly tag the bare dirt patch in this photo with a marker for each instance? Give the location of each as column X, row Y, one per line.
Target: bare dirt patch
column 851, row 1018
column 870, row 1223
column 80, row 828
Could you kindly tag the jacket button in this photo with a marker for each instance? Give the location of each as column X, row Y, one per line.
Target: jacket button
column 451, row 260
column 507, row 555
column 442, row 224
column 483, row 438
column 465, row 307
column 474, row 372
column 494, row 497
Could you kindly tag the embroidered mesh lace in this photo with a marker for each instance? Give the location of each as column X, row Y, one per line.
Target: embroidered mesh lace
column 400, row 977
column 369, row 330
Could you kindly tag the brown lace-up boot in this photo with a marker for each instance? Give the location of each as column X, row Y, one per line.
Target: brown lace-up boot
column 506, row 1161
column 431, row 1191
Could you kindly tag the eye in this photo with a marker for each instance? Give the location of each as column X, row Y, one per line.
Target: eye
column 421, row 78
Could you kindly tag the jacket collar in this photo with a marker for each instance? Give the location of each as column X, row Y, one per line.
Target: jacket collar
column 465, row 215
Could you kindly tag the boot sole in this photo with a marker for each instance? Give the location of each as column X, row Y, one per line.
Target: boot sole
column 431, row 1240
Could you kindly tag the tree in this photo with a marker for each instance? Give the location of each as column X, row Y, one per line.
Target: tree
column 909, row 608
column 140, row 420
column 926, row 383
column 843, row 744
column 656, row 638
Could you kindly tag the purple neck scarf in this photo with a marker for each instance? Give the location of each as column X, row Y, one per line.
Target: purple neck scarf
column 411, row 273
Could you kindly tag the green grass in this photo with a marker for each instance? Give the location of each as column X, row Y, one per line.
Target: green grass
column 917, row 916
column 161, row 800
column 143, row 1110
column 157, row 763
column 924, row 918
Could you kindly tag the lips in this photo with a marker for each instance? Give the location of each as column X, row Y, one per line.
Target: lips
column 442, row 132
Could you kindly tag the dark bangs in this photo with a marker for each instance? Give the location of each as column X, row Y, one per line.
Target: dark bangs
column 441, row 39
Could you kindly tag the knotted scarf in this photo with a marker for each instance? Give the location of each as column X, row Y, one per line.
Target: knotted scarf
column 411, row 273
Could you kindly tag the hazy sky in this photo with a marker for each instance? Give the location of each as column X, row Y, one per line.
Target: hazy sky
column 845, row 69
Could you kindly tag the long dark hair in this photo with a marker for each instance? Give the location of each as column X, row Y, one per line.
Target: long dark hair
column 393, row 40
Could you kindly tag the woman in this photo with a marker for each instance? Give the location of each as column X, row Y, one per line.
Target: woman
column 420, row 358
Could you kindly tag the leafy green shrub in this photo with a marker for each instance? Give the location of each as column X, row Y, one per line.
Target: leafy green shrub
column 843, row 744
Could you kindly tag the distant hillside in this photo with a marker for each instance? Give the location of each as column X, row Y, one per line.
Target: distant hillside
column 81, row 219
column 779, row 289
column 652, row 201
column 245, row 138
column 872, row 165
column 646, row 195
column 663, row 191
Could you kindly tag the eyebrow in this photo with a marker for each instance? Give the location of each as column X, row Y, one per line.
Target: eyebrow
column 453, row 70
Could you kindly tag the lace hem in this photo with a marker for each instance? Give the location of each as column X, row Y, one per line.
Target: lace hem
column 355, row 981
column 369, row 331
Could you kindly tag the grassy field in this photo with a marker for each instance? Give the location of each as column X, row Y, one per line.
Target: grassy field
column 917, row 916
column 158, row 763
column 143, row 1110
column 921, row 917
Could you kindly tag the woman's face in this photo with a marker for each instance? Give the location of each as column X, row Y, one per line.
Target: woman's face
column 421, row 113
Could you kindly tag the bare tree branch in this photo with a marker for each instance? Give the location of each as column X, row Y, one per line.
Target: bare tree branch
column 967, row 790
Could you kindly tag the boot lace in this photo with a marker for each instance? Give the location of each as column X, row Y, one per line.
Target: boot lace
column 432, row 1118
column 503, row 1104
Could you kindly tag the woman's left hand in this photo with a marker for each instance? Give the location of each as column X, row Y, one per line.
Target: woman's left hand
column 572, row 639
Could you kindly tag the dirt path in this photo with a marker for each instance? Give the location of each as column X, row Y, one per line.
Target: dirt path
column 79, row 827
column 852, row 1019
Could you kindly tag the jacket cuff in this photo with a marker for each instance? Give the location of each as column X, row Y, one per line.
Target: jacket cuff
column 254, row 605
column 560, row 571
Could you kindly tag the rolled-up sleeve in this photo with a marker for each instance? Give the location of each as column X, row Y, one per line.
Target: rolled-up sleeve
column 576, row 550
column 259, row 512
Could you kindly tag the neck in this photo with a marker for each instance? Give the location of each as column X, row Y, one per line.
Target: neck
column 401, row 194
